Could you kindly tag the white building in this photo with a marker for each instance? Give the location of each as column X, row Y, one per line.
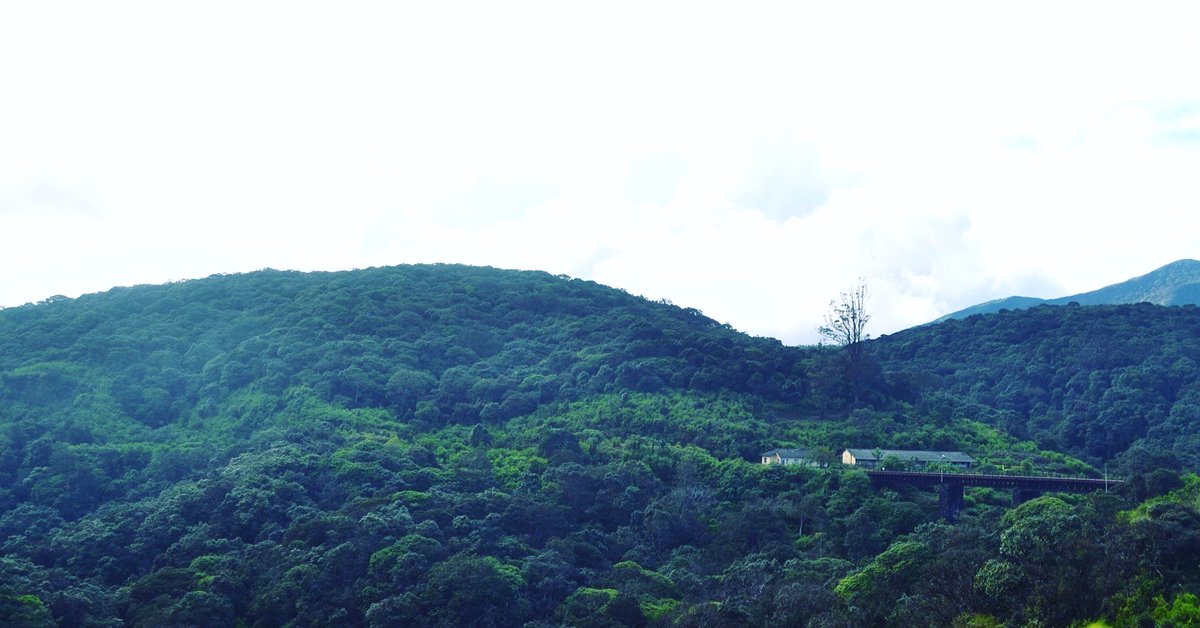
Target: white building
column 788, row 456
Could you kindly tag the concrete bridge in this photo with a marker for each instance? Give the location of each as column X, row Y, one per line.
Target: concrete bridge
column 1024, row 487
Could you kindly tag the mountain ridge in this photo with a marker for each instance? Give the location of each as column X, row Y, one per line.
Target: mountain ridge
column 1177, row 283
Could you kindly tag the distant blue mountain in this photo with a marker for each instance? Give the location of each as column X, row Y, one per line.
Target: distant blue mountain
column 1177, row 283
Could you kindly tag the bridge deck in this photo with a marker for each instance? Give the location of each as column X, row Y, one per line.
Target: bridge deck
column 1029, row 482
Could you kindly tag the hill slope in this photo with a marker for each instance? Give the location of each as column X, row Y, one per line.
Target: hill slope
column 1177, row 283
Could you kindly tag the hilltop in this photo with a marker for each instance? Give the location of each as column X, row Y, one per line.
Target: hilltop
column 1177, row 283
column 474, row 343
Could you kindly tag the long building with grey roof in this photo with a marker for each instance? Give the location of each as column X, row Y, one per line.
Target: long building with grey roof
column 873, row 458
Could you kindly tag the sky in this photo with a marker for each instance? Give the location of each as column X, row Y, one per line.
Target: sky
column 751, row 160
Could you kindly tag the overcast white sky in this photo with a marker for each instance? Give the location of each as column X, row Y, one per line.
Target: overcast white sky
column 749, row 160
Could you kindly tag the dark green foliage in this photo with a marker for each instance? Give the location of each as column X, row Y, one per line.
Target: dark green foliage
column 443, row 445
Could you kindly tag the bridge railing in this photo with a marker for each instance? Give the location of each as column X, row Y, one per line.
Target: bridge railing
column 1040, row 482
column 1014, row 473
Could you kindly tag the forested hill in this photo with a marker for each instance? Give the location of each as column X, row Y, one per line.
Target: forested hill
column 457, row 446
column 1100, row 382
column 476, row 343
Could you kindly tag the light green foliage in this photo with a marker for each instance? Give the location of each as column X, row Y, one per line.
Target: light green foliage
column 633, row 579
column 404, row 561
column 1182, row 610
column 1000, row 580
column 1036, row 526
column 1187, row 495
column 978, row 620
column 660, row 610
column 510, row 465
column 888, row 570
column 24, row 610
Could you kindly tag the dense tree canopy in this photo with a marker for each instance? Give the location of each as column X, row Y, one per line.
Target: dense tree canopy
column 446, row 445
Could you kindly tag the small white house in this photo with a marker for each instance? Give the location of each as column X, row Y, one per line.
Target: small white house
column 788, row 456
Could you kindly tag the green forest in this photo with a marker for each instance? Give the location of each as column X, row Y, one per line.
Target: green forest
column 447, row 445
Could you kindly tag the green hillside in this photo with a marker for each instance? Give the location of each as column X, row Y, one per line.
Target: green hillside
column 1116, row 384
column 1177, row 283
column 448, row 445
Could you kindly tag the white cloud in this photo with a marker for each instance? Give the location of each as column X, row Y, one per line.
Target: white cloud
column 750, row 162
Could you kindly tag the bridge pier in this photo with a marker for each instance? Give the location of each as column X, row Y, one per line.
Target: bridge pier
column 1022, row 495
column 950, row 501
column 950, row 485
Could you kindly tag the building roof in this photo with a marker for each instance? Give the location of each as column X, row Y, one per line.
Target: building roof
column 789, row 453
column 911, row 454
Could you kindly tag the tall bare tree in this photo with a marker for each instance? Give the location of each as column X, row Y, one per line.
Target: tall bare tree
column 846, row 323
column 845, row 326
